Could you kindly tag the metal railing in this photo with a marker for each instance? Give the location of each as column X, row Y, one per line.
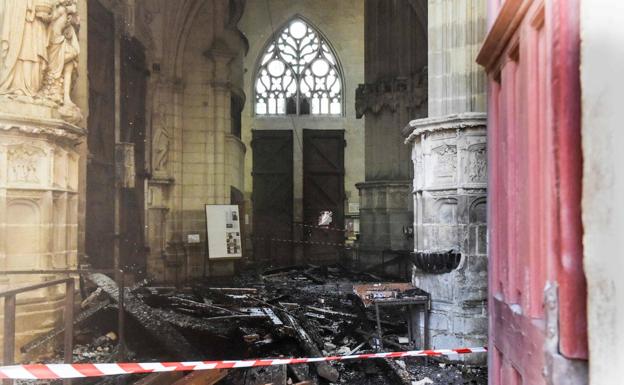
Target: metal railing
column 10, row 305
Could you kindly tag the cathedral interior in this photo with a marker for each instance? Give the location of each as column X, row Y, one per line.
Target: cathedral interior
column 169, row 167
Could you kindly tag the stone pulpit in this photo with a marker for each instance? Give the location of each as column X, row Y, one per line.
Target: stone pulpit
column 40, row 156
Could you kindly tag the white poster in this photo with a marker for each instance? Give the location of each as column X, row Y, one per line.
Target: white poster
column 223, row 229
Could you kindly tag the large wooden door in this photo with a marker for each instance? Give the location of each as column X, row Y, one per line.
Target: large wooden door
column 272, row 196
column 132, row 248
column 323, row 190
column 100, row 210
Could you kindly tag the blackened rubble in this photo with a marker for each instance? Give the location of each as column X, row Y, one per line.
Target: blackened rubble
column 300, row 311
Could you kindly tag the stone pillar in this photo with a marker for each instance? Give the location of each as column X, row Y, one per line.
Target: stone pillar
column 40, row 154
column 221, row 55
column 394, row 92
column 450, row 177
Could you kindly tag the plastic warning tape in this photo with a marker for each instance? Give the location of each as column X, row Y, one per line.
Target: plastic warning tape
column 60, row 371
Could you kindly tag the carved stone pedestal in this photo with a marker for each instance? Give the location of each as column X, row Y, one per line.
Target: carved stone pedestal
column 39, row 188
column 450, row 168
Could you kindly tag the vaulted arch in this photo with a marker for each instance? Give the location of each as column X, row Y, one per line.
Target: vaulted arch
column 298, row 73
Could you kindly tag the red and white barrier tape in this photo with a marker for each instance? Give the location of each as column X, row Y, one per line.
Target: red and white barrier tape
column 58, row 371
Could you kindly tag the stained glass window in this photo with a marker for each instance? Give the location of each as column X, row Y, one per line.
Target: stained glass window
column 298, row 74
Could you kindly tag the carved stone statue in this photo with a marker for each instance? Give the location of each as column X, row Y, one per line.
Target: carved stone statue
column 162, row 140
column 39, row 53
column 63, row 51
column 23, row 45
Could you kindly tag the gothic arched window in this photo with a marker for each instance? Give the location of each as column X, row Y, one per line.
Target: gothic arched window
column 298, row 74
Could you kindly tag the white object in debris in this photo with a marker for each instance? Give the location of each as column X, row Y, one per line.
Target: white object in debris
column 424, row 381
column 325, row 219
column 403, row 340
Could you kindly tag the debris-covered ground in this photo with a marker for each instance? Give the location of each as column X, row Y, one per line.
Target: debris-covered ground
column 299, row 311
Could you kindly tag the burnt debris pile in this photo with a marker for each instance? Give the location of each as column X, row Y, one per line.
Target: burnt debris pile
column 297, row 311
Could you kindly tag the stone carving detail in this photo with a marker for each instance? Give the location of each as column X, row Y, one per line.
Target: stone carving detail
column 381, row 199
column 24, row 163
column 447, row 211
column 39, row 53
column 476, row 166
column 446, row 161
column 393, row 94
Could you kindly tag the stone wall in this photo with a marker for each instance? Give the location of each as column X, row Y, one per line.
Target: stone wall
column 196, row 53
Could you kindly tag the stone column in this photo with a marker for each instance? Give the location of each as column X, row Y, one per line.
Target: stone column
column 394, row 93
column 450, row 177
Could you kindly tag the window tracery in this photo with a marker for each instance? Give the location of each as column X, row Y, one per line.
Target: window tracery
column 298, row 74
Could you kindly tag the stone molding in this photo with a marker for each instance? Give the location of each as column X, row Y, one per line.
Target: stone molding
column 417, row 127
column 55, row 129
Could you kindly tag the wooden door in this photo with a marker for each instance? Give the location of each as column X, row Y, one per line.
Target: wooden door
column 272, row 196
column 323, row 190
column 132, row 248
column 100, row 209
column 537, row 291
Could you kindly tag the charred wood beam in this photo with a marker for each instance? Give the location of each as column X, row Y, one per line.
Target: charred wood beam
column 323, row 369
column 202, row 306
column 208, row 325
column 333, row 313
column 52, row 334
column 156, row 327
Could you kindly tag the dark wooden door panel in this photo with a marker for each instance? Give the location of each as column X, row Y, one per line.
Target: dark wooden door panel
column 323, row 190
column 272, row 196
column 100, row 209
